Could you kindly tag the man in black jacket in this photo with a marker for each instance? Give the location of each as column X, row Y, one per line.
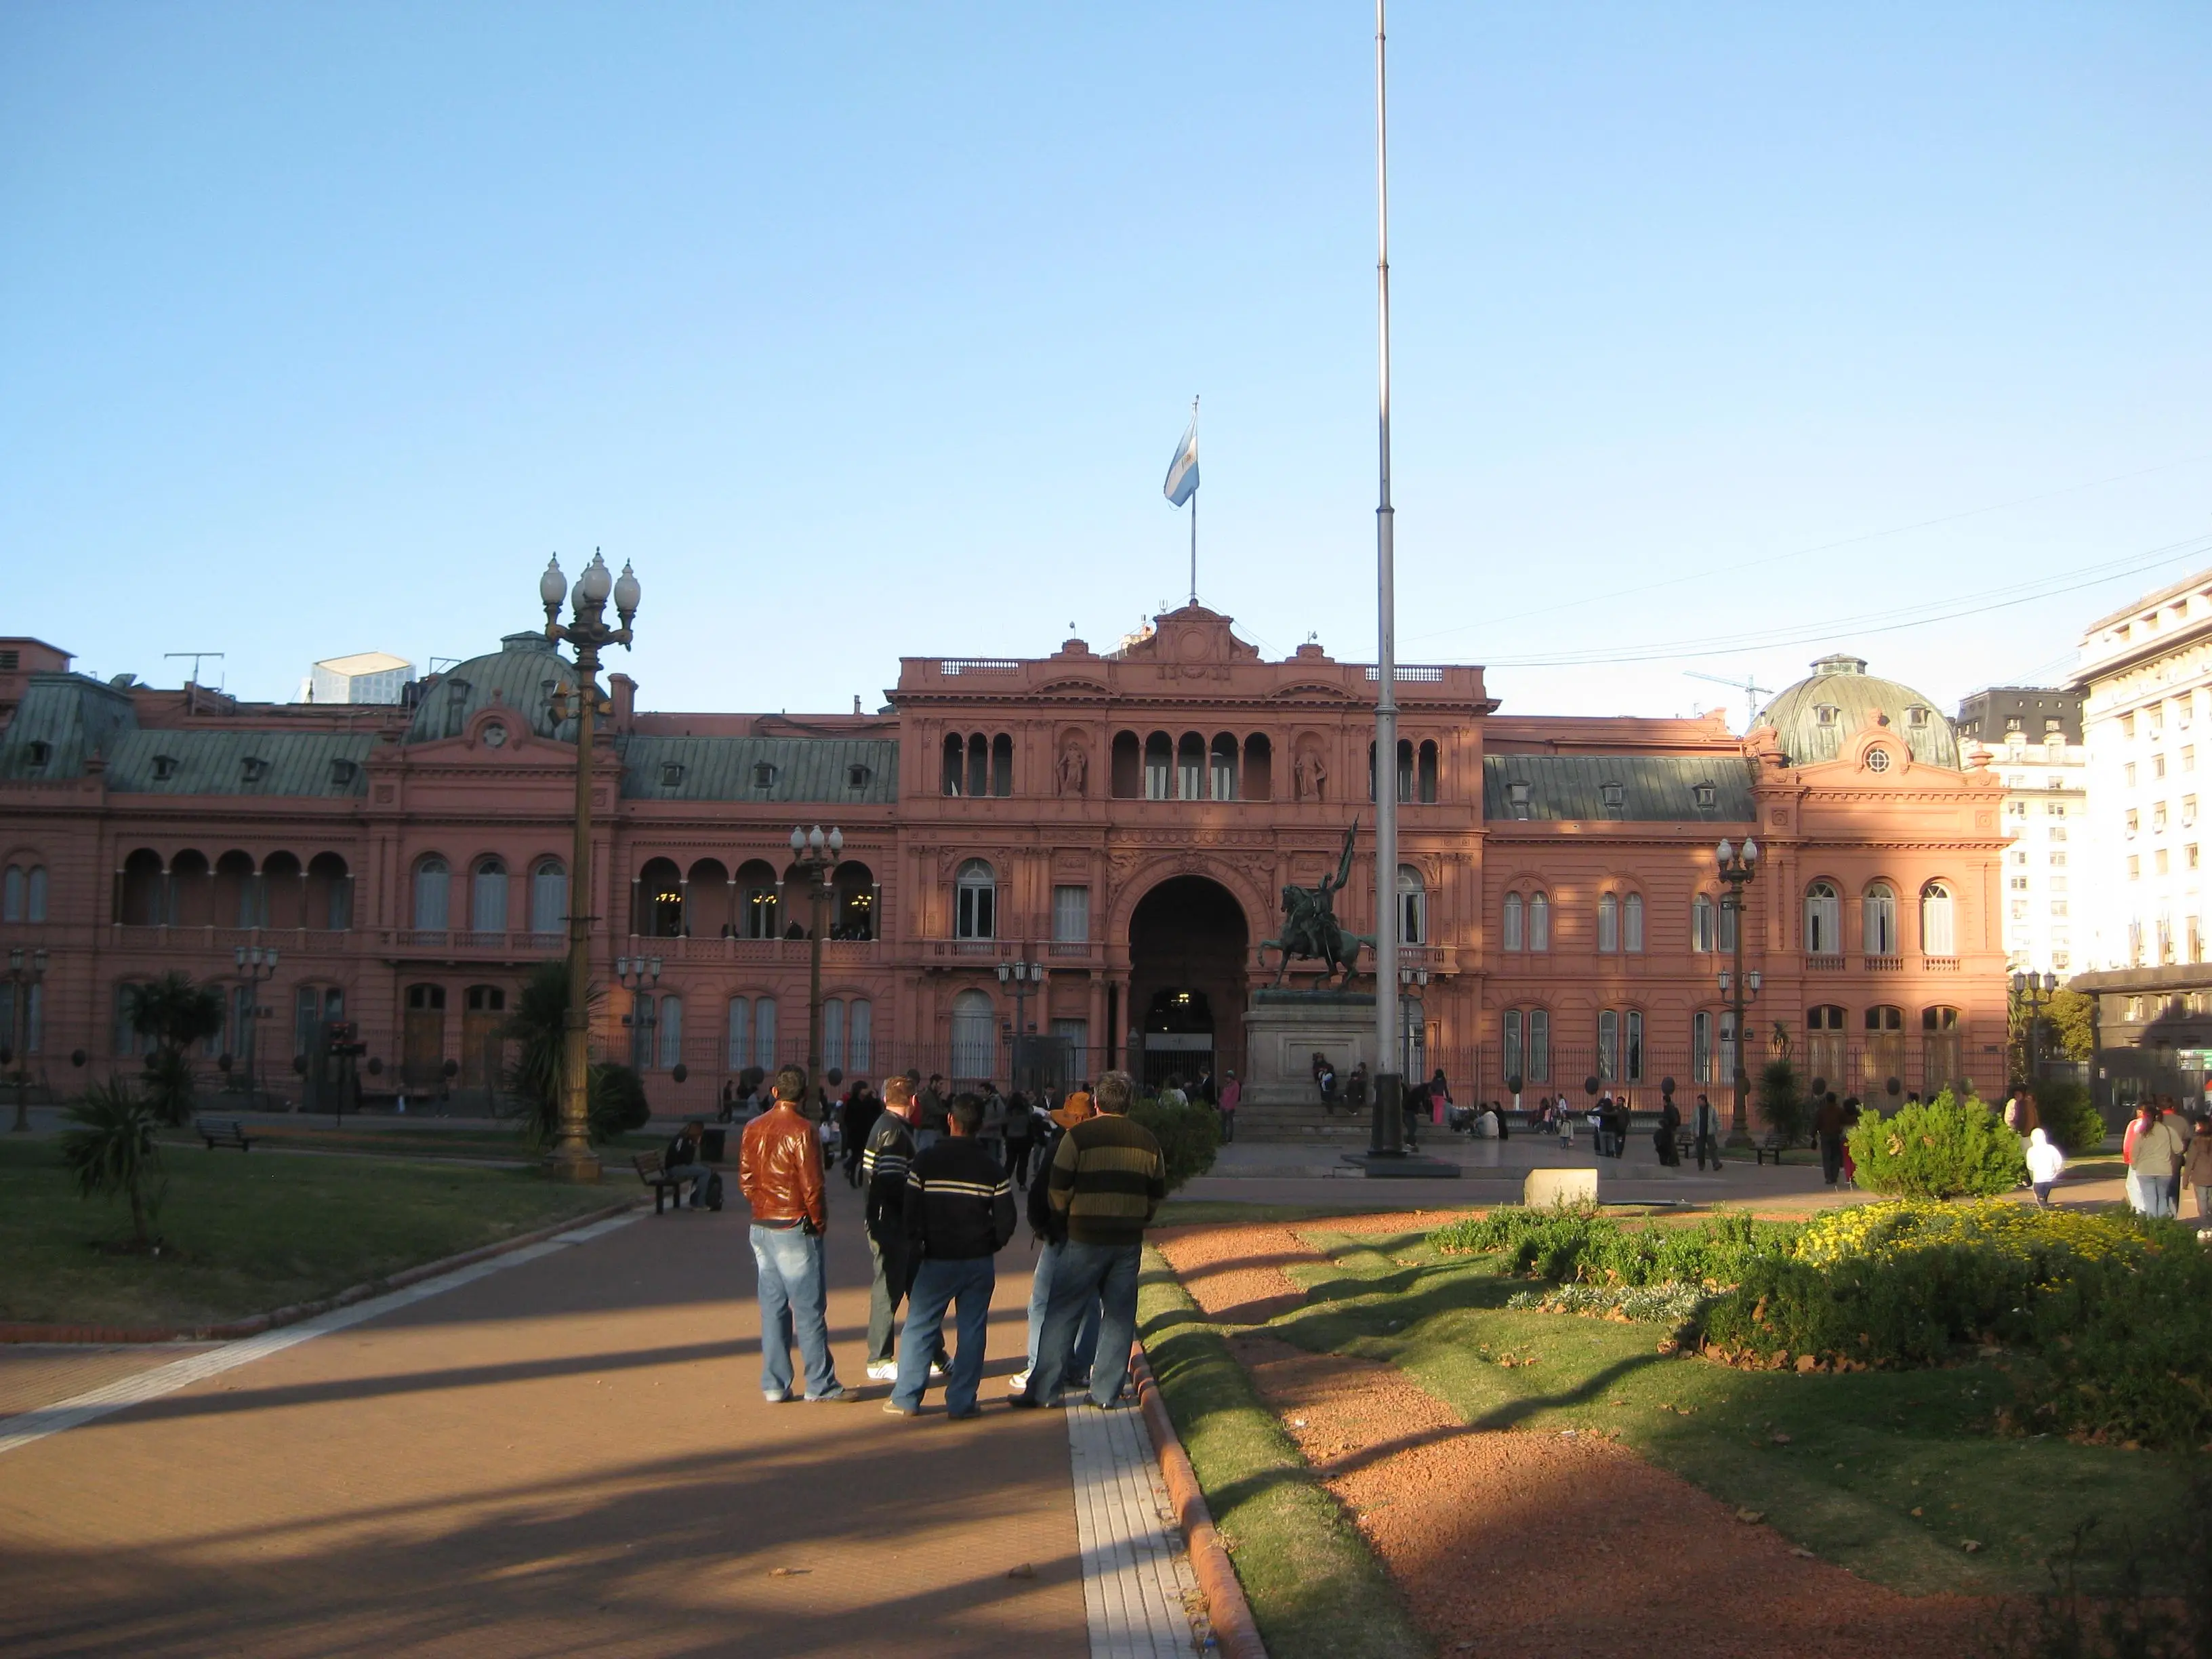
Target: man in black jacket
column 684, row 1161
column 959, row 1215
column 883, row 1168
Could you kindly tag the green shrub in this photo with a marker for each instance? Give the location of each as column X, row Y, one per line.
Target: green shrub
column 1942, row 1148
column 1188, row 1135
column 618, row 1102
column 2070, row 1117
column 1574, row 1244
column 109, row 1150
column 2108, row 1317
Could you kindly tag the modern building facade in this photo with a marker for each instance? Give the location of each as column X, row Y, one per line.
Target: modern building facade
column 1124, row 823
column 2146, row 680
column 2031, row 737
column 366, row 677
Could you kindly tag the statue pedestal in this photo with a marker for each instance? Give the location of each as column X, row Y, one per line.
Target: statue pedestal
column 1284, row 1029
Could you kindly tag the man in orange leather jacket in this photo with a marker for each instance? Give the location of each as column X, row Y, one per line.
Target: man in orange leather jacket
column 779, row 1173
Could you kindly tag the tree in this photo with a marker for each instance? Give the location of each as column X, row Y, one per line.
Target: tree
column 176, row 1013
column 2071, row 1017
column 113, row 1150
column 1782, row 1101
column 539, row 1026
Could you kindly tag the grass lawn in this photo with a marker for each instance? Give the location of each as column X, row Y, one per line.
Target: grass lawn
column 310, row 1135
column 1839, row 1464
column 1314, row 1588
column 246, row 1233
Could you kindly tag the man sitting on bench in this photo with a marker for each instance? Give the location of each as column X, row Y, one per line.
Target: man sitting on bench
column 683, row 1161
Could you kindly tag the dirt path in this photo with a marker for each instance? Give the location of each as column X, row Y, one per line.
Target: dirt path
column 1537, row 1543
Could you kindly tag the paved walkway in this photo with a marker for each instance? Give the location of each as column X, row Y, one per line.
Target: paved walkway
column 568, row 1453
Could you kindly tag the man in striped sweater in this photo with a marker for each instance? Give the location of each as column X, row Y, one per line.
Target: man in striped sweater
column 1108, row 1177
column 959, row 1212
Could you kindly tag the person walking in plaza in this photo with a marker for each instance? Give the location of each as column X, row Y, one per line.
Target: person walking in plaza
column 2153, row 1157
column 1414, row 1110
column 2185, row 1132
column 858, row 1116
column 1670, row 1125
column 2045, row 1164
column 779, row 1173
column 1705, row 1130
column 2196, row 1169
column 883, row 1166
column 1049, row 1227
column 1233, row 1094
column 1019, row 1134
column 1109, row 1179
column 1828, row 1129
column 1355, row 1089
column 959, row 1215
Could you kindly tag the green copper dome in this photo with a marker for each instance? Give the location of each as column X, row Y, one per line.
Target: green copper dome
column 1815, row 716
column 521, row 676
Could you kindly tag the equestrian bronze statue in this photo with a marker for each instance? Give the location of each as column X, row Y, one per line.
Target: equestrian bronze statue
column 1311, row 929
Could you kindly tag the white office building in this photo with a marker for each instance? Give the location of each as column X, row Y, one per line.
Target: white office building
column 365, row 676
column 2031, row 737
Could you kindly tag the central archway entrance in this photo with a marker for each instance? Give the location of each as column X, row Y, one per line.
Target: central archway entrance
column 1189, row 945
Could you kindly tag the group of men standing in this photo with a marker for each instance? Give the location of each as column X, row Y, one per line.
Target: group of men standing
column 940, row 1208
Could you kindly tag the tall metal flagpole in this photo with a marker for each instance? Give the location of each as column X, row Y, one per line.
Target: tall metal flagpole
column 1194, row 511
column 1388, row 1136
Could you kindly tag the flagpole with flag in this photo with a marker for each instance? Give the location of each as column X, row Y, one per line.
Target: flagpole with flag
column 1181, row 486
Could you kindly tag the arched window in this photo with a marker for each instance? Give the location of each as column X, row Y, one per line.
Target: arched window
column 432, row 879
column 1703, row 935
column 975, row 901
column 1942, row 1048
column 955, row 763
column 974, row 1034
column 1878, row 920
column 1190, row 767
column 1426, row 783
column 1631, row 923
column 1222, row 771
column 24, row 896
column 1701, row 1046
column 488, row 897
column 1937, row 937
column 1539, row 922
column 1259, row 767
column 853, row 907
column 1824, row 932
column 1002, row 765
column 330, row 893
column 1609, row 1045
column 1159, row 767
column 672, row 1031
column 1608, row 926
column 548, row 897
column 1412, row 907
column 1510, row 937
column 757, row 905
column 833, row 1034
column 660, row 900
column 740, row 1034
column 1129, row 767
column 1824, row 1044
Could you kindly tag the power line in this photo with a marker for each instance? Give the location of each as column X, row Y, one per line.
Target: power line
column 1879, row 622
column 1822, row 547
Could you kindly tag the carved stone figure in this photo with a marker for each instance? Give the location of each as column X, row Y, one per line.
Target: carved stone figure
column 1311, row 929
column 1074, row 770
column 1310, row 776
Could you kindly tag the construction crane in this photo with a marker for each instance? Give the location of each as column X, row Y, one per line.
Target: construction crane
column 1753, row 691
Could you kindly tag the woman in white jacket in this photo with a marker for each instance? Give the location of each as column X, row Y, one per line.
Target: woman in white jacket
column 2044, row 1164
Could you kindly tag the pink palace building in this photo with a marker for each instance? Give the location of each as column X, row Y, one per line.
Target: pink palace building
column 1118, row 825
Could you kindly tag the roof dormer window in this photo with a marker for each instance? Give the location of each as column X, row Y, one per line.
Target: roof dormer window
column 341, row 773
column 763, row 775
column 1517, row 795
column 1827, row 714
column 253, row 768
column 858, row 777
column 37, row 753
column 671, row 775
column 1614, row 795
column 165, row 767
column 1704, row 794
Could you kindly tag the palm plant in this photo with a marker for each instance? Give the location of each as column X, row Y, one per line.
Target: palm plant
column 113, row 1150
column 539, row 1029
column 176, row 1014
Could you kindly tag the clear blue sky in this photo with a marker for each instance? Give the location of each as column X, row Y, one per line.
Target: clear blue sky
column 870, row 331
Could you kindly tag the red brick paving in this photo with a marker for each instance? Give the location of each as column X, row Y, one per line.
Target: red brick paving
column 568, row 1456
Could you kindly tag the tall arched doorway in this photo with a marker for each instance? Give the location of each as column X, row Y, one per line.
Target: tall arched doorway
column 1189, row 945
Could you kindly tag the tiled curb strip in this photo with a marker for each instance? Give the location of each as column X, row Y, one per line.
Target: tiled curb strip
column 1229, row 1613
column 230, row 1330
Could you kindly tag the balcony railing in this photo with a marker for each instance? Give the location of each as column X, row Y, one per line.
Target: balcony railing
column 1939, row 964
column 990, row 949
column 314, row 941
column 1885, row 964
column 1823, row 964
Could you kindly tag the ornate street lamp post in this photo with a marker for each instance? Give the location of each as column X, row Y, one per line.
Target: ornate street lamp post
column 815, row 855
column 25, row 969
column 255, row 967
column 1737, row 866
column 637, row 975
column 1020, row 976
column 573, row 1158
column 2034, row 989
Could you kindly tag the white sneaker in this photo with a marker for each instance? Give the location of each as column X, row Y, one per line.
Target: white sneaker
column 883, row 1370
column 1018, row 1382
column 940, row 1366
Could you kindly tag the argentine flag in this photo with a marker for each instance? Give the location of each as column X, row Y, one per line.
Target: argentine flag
column 1182, row 471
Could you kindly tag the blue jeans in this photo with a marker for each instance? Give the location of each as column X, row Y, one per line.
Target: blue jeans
column 795, row 1303
column 1086, row 1275
column 2150, row 1193
column 966, row 1287
column 1087, row 1335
